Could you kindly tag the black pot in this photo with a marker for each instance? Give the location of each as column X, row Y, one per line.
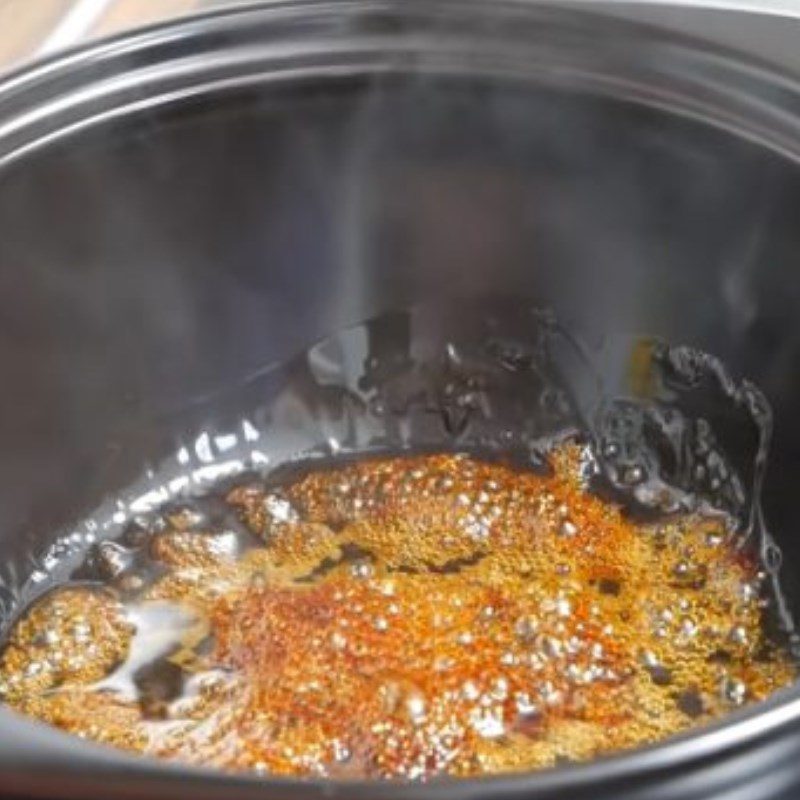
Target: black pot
column 181, row 206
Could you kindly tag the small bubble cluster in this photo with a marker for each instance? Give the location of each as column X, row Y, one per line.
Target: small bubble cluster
column 402, row 618
column 71, row 637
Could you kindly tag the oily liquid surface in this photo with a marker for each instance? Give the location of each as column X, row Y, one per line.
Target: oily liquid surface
column 400, row 618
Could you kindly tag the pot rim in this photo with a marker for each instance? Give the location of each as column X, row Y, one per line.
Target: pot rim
column 298, row 40
column 249, row 43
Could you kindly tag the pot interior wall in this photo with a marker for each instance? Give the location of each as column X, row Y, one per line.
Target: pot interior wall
column 146, row 265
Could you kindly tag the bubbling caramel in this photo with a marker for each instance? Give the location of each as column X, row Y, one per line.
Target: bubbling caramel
column 405, row 618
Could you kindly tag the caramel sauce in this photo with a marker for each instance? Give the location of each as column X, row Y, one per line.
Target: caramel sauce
column 405, row 618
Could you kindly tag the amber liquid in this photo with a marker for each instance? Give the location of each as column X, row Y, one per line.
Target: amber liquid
column 592, row 574
column 402, row 617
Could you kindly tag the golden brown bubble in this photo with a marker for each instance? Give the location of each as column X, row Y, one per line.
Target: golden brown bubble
column 410, row 617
